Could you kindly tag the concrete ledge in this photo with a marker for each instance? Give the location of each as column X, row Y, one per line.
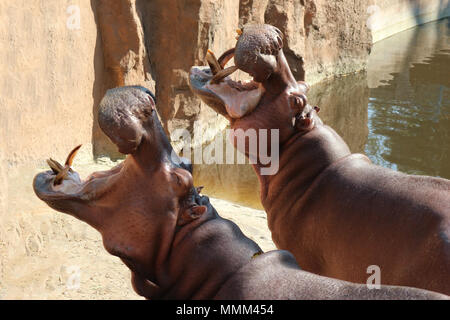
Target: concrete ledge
column 387, row 18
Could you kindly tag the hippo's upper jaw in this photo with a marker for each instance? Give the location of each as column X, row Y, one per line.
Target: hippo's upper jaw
column 259, row 53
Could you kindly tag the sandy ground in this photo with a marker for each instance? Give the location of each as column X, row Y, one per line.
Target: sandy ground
column 49, row 255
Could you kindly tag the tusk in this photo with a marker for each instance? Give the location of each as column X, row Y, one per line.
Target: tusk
column 55, row 166
column 60, row 171
column 213, row 63
column 222, row 74
column 60, row 176
column 72, row 155
column 225, row 57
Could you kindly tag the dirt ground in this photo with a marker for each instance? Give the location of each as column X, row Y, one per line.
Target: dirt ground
column 49, row 255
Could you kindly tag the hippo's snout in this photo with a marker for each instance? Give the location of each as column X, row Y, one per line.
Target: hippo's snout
column 125, row 115
column 257, row 49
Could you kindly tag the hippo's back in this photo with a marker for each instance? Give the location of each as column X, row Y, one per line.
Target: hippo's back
column 276, row 276
column 359, row 214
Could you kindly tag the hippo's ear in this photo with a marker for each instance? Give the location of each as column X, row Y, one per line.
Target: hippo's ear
column 190, row 214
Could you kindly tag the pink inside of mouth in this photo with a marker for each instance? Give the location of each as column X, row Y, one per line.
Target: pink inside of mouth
column 240, row 98
column 98, row 180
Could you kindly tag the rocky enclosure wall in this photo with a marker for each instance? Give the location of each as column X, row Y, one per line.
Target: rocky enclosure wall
column 389, row 17
column 59, row 57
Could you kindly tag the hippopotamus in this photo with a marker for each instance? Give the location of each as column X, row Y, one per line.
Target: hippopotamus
column 335, row 211
column 172, row 239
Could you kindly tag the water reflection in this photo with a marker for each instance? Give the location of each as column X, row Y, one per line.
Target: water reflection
column 398, row 113
column 409, row 110
column 342, row 105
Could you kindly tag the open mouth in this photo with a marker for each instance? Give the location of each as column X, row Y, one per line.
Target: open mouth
column 213, row 84
column 63, row 183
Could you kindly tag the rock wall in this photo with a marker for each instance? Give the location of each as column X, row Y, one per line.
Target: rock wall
column 48, row 78
column 330, row 36
column 61, row 56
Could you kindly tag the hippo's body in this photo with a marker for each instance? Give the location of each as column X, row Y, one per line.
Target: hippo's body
column 172, row 239
column 342, row 214
column 336, row 212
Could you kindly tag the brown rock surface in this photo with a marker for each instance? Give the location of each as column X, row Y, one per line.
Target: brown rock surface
column 54, row 74
column 125, row 59
column 332, row 37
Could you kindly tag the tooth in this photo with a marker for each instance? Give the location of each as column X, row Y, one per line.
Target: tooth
column 60, row 176
column 225, row 57
column 72, row 155
column 55, row 166
column 223, row 74
column 213, row 63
